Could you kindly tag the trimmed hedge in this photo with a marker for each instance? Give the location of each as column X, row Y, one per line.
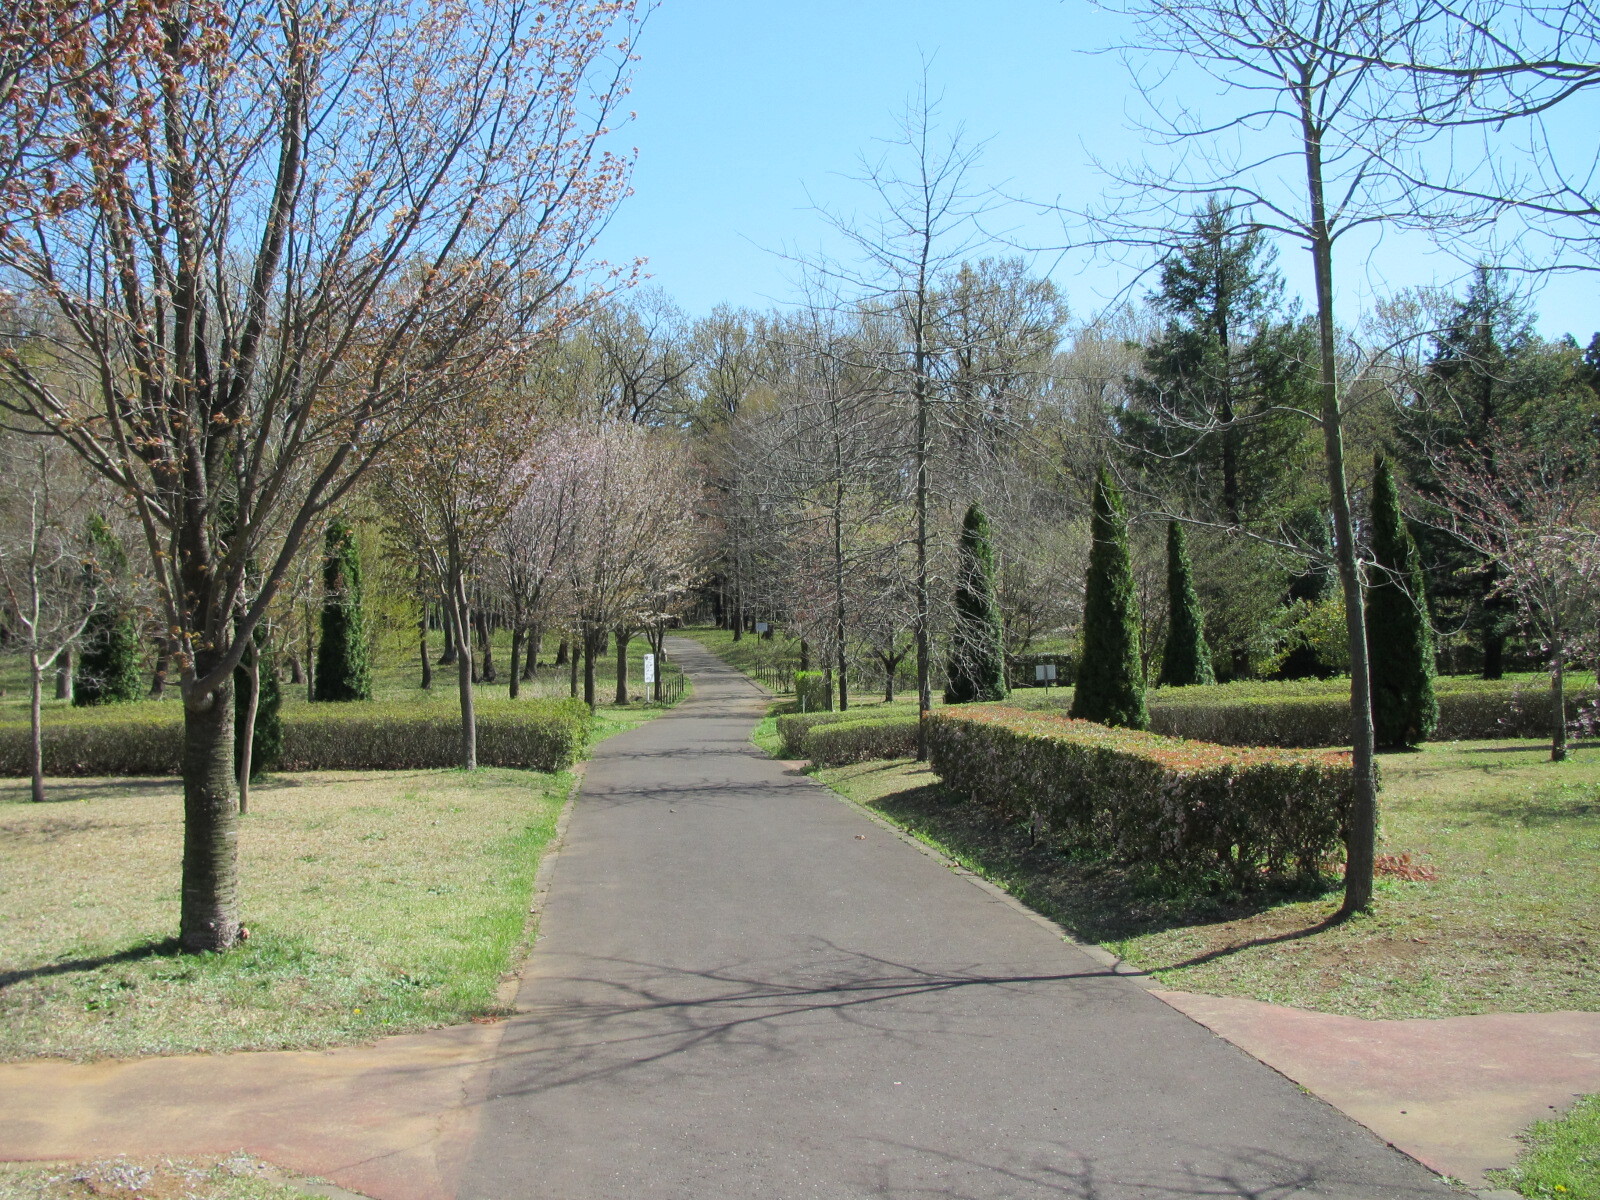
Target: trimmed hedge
column 835, row 743
column 792, row 728
column 1139, row 797
column 546, row 735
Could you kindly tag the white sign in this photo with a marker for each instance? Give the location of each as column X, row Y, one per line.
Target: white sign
column 1044, row 673
column 762, row 627
column 649, row 668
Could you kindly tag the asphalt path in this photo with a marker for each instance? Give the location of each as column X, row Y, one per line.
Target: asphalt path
column 746, row 988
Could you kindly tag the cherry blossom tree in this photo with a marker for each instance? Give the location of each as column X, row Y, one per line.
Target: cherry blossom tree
column 276, row 236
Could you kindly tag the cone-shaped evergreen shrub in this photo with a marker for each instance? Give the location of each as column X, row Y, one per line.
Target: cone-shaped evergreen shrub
column 1399, row 639
column 1110, row 684
column 267, row 746
column 108, row 665
column 977, row 668
column 344, row 670
column 1185, row 659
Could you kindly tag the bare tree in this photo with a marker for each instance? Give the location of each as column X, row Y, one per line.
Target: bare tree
column 1295, row 99
column 50, row 590
column 1531, row 508
column 276, row 237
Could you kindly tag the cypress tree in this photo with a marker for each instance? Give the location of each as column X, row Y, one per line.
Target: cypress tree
column 108, row 665
column 344, row 671
column 266, row 748
column 977, row 668
column 1399, row 639
column 1185, row 660
column 1110, row 684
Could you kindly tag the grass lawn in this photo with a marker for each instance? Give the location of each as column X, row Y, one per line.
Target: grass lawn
column 376, row 901
column 1512, row 923
column 1562, row 1161
column 237, row 1177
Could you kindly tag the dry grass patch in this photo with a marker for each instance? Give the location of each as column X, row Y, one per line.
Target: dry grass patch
column 237, row 1177
column 377, row 903
column 1511, row 924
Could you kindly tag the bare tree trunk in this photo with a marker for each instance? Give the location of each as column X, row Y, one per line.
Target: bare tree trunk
column 530, row 670
column 1361, row 839
column 447, row 656
column 64, row 676
column 805, row 655
column 571, row 646
column 738, row 608
column 591, row 636
column 924, row 663
column 562, row 652
column 158, row 677
column 35, row 726
column 422, row 649
column 1558, row 695
column 311, row 651
column 294, row 667
column 485, row 635
column 252, row 666
column 459, row 623
column 623, row 637
column 516, row 658
column 210, row 904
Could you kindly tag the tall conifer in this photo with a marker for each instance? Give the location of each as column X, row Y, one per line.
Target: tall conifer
column 344, row 669
column 108, row 666
column 977, row 669
column 1110, row 683
column 1404, row 711
column 1185, row 659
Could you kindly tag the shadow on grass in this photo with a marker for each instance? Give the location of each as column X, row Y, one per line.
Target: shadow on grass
column 161, row 948
column 1094, row 899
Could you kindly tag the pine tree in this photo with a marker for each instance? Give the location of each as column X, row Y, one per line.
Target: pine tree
column 108, row 665
column 266, row 747
column 1110, row 683
column 1185, row 659
column 977, row 667
column 1404, row 711
column 344, row 671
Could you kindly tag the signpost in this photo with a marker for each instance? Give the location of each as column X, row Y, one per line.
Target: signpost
column 1044, row 673
column 649, row 668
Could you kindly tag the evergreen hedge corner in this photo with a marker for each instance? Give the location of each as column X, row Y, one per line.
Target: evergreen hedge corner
column 1399, row 637
column 1110, row 682
column 1185, row 660
column 977, row 663
column 108, row 669
column 344, row 667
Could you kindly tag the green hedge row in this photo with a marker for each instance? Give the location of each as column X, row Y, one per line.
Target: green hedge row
column 1140, row 797
column 835, row 743
column 1302, row 721
column 546, row 735
column 793, row 728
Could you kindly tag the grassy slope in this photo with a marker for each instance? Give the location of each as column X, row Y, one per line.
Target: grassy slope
column 377, row 901
column 1562, row 1161
column 1512, row 924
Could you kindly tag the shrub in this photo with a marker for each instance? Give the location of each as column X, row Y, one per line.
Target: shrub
column 1110, row 684
column 793, row 727
column 834, row 743
column 812, row 691
column 545, row 735
column 1139, row 797
column 977, row 665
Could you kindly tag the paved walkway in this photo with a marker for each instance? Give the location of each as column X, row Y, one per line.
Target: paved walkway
column 745, row 989
column 748, row 988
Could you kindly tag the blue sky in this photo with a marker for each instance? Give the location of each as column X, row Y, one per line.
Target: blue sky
column 751, row 112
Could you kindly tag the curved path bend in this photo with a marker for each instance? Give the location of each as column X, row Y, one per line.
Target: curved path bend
column 747, row 989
